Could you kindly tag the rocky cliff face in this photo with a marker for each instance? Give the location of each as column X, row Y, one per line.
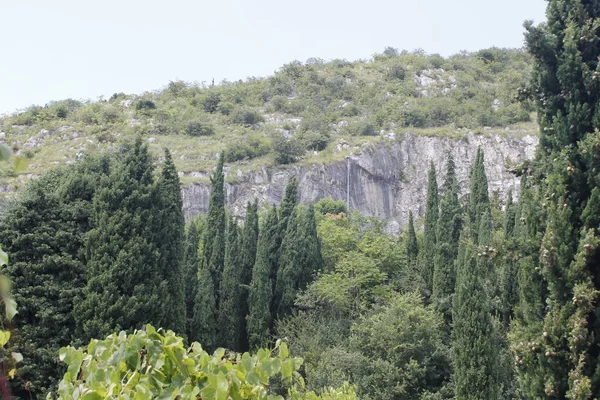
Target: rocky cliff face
column 386, row 180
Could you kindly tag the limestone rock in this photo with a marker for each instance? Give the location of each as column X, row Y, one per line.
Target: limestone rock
column 386, row 180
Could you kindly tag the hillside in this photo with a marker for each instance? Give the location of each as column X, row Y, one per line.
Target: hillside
column 314, row 112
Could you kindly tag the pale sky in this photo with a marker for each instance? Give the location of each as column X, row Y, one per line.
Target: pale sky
column 83, row 49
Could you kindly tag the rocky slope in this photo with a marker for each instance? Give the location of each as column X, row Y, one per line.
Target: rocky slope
column 386, row 180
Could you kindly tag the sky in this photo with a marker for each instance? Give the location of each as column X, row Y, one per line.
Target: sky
column 53, row 50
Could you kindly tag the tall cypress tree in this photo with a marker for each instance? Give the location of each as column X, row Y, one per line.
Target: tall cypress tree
column 473, row 334
column 213, row 254
column 249, row 242
column 171, row 232
column 300, row 258
column 412, row 248
column 191, row 265
column 448, row 233
column 289, row 203
column 563, row 362
column 125, row 287
column 248, row 254
column 230, row 318
column 432, row 212
column 204, row 323
column 43, row 233
column 509, row 272
column 479, row 200
column 261, row 289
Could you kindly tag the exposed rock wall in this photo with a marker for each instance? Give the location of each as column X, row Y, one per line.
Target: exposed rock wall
column 385, row 180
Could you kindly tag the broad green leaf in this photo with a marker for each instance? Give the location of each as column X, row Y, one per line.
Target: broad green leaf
column 3, row 258
column 17, row 357
column 91, row 395
column 4, row 337
column 10, row 306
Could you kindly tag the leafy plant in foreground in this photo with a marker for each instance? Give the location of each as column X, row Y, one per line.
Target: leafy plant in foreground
column 152, row 363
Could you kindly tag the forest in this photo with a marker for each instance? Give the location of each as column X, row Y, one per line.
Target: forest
column 109, row 293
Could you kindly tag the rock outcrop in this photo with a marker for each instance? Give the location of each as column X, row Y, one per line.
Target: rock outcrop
column 386, row 180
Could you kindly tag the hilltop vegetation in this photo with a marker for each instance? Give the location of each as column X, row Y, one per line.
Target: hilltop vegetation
column 302, row 113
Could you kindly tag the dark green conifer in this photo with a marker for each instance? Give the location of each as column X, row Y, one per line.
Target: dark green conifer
column 191, row 265
column 170, row 237
column 558, row 351
column 230, row 318
column 261, row 288
column 448, row 233
column 213, row 254
column 204, row 323
column 126, row 287
column 248, row 254
column 479, row 199
column 289, row 203
column 412, row 248
column 473, row 335
column 43, row 233
column 300, row 258
column 432, row 212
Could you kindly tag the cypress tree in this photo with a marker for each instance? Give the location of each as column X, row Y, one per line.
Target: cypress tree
column 125, row 287
column 43, row 233
column 473, row 334
column 231, row 327
column 289, row 203
column 509, row 273
column 191, row 275
column 448, row 234
column 261, row 289
column 509, row 216
column 479, row 200
column 432, row 212
column 248, row 254
column 300, row 258
column 170, row 232
column 204, row 323
column 213, row 254
column 412, row 249
column 249, row 242
column 563, row 360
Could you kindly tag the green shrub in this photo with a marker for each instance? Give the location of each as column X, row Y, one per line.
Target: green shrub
column 362, row 128
column 145, row 105
column 396, row 71
column 287, row 149
column 199, row 128
column 350, row 110
column 328, row 205
column 313, row 140
column 225, row 107
column 246, row 116
column 110, row 114
column 211, row 102
column 279, row 103
column 247, row 149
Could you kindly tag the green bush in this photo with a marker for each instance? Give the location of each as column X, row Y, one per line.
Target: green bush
column 312, row 140
column 145, row 105
column 247, row 149
column 279, row 103
column 328, row 205
column 211, row 102
column 350, row 110
column 287, row 150
column 246, row 116
column 199, row 128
